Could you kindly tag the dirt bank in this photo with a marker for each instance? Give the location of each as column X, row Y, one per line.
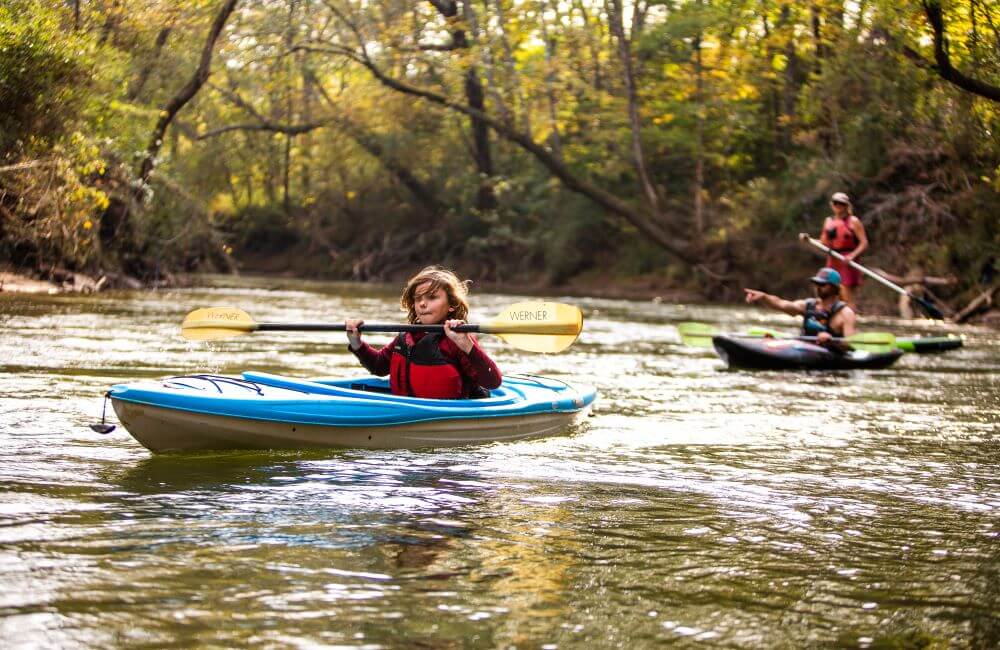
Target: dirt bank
column 14, row 283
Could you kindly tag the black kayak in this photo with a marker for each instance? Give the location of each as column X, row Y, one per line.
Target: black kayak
column 792, row 354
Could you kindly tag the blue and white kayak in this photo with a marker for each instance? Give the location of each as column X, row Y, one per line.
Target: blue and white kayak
column 263, row 411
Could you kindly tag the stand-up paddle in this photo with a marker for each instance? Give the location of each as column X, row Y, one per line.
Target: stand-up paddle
column 930, row 309
column 529, row 326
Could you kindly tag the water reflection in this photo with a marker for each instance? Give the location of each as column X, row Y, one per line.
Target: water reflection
column 696, row 506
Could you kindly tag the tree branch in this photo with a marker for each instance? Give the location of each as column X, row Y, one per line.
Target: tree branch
column 611, row 203
column 942, row 61
column 185, row 94
column 273, row 127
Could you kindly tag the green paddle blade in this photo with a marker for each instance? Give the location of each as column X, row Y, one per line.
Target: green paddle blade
column 697, row 335
column 926, row 344
column 872, row 338
column 537, row 326
column 766, row 331
column 213, row 323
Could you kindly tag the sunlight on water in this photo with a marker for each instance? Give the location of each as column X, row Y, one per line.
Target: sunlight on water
column 695, row 506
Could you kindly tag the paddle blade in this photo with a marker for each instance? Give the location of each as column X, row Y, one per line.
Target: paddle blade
column 697, row 335
column 872, row 338
column 213, row 323
column 537, row 326
column 876, row 342
column 766, row 332
column 929, row 309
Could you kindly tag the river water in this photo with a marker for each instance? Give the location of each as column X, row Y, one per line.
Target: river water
column 696, row 507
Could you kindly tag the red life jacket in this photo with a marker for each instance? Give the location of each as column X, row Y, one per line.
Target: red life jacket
column 842, row 239
column 420, row 369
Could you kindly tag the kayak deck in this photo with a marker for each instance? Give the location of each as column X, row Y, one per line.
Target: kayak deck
column 262, row 411
column 792, row 354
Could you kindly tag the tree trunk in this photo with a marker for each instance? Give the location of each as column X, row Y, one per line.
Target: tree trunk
column 485, row 196
column 595, row 50
column 286, row 189
column 305, row 173
column 667, row 240
column 625, row 53
column 185, row 94
column 161, row 39
column 116, row 230
column 817, row 32
column 511, row 66
column 789, row 91
column 699, row 154
column 554, row 139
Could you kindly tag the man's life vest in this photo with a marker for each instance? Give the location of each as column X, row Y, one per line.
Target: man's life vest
column 419, row 369
column 816, row 319
column 842, row 239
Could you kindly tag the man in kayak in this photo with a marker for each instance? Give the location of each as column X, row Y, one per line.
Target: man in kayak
column 427, row 364
column 826, row 316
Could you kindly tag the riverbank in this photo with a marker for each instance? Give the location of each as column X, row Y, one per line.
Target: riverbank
column 650, row 287
column 55, row 280
column 15, row 283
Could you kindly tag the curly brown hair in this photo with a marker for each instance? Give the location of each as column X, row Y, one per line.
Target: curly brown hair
column 439, row 278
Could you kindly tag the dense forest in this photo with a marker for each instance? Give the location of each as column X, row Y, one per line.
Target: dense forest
column 523, row 142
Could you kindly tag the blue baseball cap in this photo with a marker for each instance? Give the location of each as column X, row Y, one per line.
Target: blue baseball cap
column 826, row 275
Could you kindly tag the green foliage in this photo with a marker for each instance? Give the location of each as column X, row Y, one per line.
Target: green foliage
column 48, row 75
column 762, row 111
column 54, row 85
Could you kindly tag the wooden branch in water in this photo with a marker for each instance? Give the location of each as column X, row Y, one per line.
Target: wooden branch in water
column 916, row 278
column 982, row 302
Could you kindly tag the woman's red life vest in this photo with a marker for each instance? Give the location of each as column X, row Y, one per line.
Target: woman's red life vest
column 842, row 239
column 420, row 369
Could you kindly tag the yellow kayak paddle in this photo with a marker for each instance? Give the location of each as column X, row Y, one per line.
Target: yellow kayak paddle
column 529, row 326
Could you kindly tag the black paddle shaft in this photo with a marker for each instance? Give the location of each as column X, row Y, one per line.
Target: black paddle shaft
column 930, row 309
column 373, row 327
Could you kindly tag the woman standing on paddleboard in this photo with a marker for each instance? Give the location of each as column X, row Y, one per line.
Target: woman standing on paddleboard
column 844, row 233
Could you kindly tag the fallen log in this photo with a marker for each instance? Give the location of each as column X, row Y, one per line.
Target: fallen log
column 918, row 284
column 980, row 304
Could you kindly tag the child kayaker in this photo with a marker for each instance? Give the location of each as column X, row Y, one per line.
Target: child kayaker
column 826, row 316
column 426, row 364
